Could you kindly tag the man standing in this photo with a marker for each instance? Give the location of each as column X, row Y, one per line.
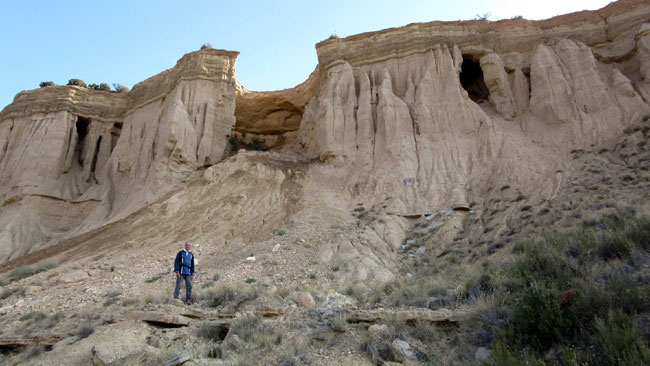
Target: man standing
column 184, row 269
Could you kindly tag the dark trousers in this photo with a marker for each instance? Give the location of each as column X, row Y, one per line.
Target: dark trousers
column 188, row 286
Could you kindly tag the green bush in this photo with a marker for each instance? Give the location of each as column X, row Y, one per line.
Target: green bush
column 576, row 293
column 619, row 340
column 538, row 319
column 77, row 82
column 45, row 84
column 101, row 87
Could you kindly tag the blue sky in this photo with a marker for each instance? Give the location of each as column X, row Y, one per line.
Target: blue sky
column 128, row 41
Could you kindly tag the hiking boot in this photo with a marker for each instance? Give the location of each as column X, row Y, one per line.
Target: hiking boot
column 189, row 302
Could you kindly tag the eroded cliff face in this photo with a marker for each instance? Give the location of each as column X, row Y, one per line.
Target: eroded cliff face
column 94, row 157
column 411, row 121
column 436, row 121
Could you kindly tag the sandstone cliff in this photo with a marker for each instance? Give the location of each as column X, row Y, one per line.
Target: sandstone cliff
column 73, row 159
column 410, row 121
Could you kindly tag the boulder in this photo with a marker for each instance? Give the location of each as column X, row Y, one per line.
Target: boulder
column 378, row 329
column 304, row 299
column 402, row 350
column 122, row 351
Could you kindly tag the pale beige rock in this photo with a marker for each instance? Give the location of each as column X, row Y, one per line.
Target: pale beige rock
column 304, row 299
column 73, row 276
column 501, row 95
column 402, row 350
column 32, row 290
column 378, row 329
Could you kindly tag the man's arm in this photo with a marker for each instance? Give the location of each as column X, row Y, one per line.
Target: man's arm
column 192, row 267
column 177, row 264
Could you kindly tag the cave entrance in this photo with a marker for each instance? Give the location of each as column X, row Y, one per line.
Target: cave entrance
column 82, row 127
column 471, row 78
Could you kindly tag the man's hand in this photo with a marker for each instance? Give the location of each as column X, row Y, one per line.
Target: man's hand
column 177, row 274
column 192, row 277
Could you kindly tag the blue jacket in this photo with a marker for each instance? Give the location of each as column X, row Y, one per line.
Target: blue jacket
column 184, row 263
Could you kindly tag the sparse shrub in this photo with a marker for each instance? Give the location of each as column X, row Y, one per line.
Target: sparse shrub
column 280, row 232
column 620, row 341
column 34, row 316
column 362, row 215
column 255, row 145
column 312, row 276
column 53, row 320
column 253, row 330
column 212, row 332
column 77, row 82
column 333, row 36
column 519, row 198
column 378, row 351
column 45, row 84
column 119, row 88
column 340, row 323
column 214, row 352
column 250, row 280
column 129, row 302
column 475, row 287
column 356, row 292
column 423, row 331
column 503, row 356
column 206, row 46
column 220, row 296
column 10, row 291
column 110, row 301
column 295, row 354
column 503, row 188
column 27, row 271
column 208, row 284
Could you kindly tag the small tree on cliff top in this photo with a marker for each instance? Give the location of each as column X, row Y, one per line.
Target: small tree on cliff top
column 77, row 82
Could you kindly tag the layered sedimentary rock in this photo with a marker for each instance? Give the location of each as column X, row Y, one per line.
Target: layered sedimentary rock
column 99, row 156
column 413, row 120
column 433, row 116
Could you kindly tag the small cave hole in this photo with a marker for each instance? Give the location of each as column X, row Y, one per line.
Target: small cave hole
column 82, row 126
column 471, row 78
column 94, row 161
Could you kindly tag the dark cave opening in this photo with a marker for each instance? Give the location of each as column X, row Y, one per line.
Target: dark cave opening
column 82, row 126
column 94, row 161
column 471, row 78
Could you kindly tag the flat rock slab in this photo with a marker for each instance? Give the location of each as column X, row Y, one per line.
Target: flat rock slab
column 178, row 360
column 434, row 316
column 158, row 317
column 266, row 312
column 11, row 341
